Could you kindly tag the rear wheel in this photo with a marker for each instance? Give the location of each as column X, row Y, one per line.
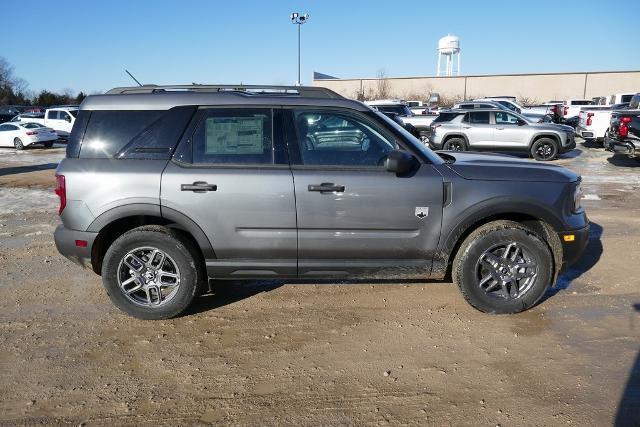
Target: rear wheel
column 151, row 273
column 48, row 144
column 503, row 267
column 18, row 144
column 455, row 144
column 544, row 149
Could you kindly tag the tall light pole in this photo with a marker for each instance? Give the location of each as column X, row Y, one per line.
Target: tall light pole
column 299, row 19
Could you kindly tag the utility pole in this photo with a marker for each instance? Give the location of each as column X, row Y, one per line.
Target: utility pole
column 299, row 19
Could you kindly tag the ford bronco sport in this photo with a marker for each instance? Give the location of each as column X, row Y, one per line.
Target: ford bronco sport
column 163, row 188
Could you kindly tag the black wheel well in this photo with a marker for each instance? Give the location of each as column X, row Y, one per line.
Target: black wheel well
column 455, row 135
column 536, row 225
column 544, row 135
column 109, row 233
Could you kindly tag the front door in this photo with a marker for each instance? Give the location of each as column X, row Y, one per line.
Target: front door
column 354, row 217
column 230, row 176
column 508, row 134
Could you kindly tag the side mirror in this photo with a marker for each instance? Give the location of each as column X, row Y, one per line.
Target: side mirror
column 400, row 162
column 68, row 119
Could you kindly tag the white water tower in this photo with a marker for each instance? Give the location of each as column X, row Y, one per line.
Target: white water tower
column 449, row 47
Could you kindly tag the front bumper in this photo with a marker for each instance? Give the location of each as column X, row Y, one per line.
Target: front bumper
column 574, row 243
column 68, row 244
column 570, row 144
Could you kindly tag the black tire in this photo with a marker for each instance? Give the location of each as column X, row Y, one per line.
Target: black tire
column 455, row 144
column 17, row 142
column 468, row 269
column 178, row 250
column 544, row 149
column 48, row 144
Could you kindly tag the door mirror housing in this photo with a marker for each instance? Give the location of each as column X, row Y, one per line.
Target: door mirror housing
column 400, row 162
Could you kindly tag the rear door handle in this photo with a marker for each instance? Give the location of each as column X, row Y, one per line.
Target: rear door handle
column 328, row 187
column 199, row 187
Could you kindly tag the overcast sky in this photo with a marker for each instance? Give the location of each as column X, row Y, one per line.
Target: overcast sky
column 86, row 45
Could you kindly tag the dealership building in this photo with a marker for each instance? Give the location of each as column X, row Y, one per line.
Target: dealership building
column 535, row 88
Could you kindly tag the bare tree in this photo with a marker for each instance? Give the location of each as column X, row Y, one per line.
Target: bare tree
column 382, row 84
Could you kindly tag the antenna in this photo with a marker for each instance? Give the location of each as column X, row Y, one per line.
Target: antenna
column 131, row 75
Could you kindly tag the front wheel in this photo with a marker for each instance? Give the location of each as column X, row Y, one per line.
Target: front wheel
column 151, row 273
column 455, row 144
column 544, row 149
column 18, row 144
column 502, row 268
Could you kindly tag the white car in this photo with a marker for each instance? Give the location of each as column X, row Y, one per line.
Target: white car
column 24, row 134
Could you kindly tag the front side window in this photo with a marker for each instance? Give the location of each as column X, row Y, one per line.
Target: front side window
column 479, row 117
column 340, row 139
column 64, row 116
column 504, row 118
column 227, row 136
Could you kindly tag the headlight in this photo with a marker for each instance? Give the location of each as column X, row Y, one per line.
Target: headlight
column 577, row 197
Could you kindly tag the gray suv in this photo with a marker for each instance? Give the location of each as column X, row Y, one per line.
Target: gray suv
column 164, row 188
column 489, row 129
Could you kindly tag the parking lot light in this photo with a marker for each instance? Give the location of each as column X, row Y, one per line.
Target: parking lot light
column 299, row 19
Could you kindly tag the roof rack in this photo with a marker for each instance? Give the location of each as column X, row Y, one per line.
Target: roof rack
column 301, row 91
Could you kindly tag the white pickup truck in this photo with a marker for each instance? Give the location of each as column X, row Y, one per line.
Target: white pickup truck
column 421, row 122
column 594, row 122
column 60, row 119
column 571, row 108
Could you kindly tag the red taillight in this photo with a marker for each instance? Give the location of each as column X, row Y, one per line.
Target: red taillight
column 623, row 131
column 589, row 115
column 81, row 243
column 61, row 191
column 554, row 109
column 565, row 111
column 433, row 127
column 31, row 132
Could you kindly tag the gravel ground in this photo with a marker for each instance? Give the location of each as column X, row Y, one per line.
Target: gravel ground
column 301, row 354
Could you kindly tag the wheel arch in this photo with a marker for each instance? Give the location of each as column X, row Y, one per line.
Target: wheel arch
column 541, row 135
column 448, row 136
column 537, row 219
column 114, row 222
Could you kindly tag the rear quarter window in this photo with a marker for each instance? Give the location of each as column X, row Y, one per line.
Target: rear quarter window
column 445, row 117
column 107, row 132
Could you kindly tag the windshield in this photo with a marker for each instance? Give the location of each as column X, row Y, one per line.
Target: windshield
column 415, row 142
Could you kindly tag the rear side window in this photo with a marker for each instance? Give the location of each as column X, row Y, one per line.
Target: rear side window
column 445, row 117
column 52, row 115
column 108, row 131
column 229, row 136
column 583, row 102
column 478, row 117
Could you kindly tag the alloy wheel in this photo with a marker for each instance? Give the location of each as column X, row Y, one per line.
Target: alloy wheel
column 148, row 276
column 545, row 151
column 506, row 271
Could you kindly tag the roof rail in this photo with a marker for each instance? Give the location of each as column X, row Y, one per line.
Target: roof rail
column 301, row 91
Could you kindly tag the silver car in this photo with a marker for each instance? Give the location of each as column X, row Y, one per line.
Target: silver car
column 495, row 130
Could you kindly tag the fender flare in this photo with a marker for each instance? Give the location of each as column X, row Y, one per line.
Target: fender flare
column 138, row 209
column 455, row 135
column 551, row 135
column 492, row 208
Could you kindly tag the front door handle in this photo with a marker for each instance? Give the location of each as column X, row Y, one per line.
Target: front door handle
column 199, row 187
column 327, row 187
column 500, row 128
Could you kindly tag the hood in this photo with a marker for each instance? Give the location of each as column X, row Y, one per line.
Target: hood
column 499, row 167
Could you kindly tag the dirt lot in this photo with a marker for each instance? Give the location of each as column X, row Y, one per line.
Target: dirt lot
column 303, row 354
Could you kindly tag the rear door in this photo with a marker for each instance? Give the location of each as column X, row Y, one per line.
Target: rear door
column 231, row 177
column 354, row 217
column 478, row 129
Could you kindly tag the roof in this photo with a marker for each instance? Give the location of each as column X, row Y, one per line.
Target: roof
column 151, row 97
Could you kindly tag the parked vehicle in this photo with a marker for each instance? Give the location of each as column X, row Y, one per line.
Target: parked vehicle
column 571, row 109
column 22, row 135
column 419, row 122
column 60, row 119
column 538, row 115
column 241, row 182
column 413, row 104
column 471, row 105
column 8, row 112
column 493, row 130
column 624, row 130
column 593, row 123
